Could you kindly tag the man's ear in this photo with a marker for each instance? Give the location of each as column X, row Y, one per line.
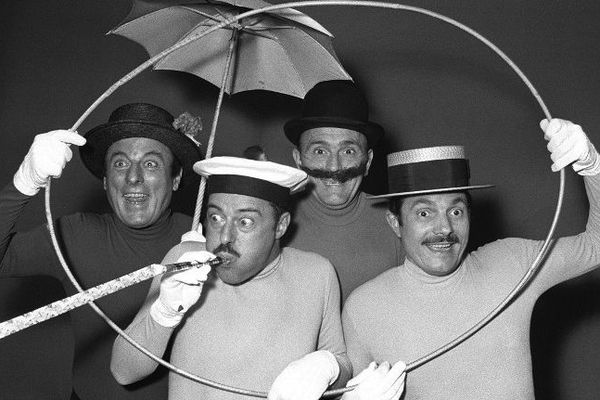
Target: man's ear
column 282, row 225
column 392, row 220
column 369, row 161
column 177, row 180
column 297, row 158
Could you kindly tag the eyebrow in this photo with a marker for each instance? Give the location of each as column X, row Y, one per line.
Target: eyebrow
column 150, row 153
column 424, row 201
column 240, row 210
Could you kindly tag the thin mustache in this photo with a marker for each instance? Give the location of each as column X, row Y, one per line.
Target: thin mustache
column 226, row 248
column 451, row 238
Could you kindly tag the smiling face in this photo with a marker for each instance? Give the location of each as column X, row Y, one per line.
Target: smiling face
column 139, row 181
column 245, row 231
column 434, row 230
column 336, row 160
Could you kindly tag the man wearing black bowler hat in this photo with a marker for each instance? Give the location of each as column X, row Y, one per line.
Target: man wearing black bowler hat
column 334, row 142
column 141, row 159
column 439, row 292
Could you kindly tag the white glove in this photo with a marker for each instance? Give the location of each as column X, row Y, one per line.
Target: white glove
column 378, row 383
column 47, row 157
column 306, row 378
column 180, row 290
column 569, row 144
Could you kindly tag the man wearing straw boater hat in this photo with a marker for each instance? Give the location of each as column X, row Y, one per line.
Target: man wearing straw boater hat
column 268, row 319
column 439, row 292
column 140, row 156
column 334, row 141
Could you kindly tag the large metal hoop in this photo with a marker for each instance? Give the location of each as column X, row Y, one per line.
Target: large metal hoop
column 411, row 365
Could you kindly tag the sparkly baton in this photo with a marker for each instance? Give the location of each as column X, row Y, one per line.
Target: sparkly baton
column 62, row 306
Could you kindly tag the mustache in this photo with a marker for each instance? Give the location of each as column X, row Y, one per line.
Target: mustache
column 449, row 238
column 226, row 248
column 340, row 175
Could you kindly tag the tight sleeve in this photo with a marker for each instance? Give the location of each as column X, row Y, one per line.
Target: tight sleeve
column 23, row 254
column 128, row 364
column 331, row 336
column 572, row 256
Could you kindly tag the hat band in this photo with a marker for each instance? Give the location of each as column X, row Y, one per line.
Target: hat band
column 247, row 186
column 428, row 175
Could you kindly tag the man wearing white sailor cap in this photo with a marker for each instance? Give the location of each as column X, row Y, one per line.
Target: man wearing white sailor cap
column 439, row 292
column 268, row 319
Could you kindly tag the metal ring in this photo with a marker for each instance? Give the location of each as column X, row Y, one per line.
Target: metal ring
column 410, row 366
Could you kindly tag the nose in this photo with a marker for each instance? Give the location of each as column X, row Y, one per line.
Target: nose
column 135, row 174
column 443, row 225
column 228, row 233
column 333, row 162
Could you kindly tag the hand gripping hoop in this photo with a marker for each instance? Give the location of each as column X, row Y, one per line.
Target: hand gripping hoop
column 413, row 364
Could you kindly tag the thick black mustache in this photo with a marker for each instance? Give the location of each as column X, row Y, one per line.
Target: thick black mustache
column 449, row 238
column 341, row 175
column 226, row 248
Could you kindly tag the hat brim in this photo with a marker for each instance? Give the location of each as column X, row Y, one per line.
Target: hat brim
column 294, row 128
column 428, row 191
column 100, row 138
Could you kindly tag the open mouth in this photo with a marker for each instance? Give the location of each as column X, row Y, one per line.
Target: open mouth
column 226, row 257
column 135, row 197
column 440, row 246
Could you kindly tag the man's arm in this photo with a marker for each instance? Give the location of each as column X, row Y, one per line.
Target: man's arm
column 169, row 298
column 46, row 158
column 329, row 366
column 574, row 255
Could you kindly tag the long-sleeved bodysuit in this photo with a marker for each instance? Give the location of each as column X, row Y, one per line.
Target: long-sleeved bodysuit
column 244, row 335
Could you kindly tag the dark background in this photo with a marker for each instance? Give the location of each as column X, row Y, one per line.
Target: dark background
column 427, row 83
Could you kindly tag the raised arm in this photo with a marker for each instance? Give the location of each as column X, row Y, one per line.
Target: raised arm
column 574, row 255
column 47, row 157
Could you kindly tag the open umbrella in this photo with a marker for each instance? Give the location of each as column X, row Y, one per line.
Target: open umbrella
column 284, row 51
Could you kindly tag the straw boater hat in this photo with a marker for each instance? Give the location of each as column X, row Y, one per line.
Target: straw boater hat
column 261, row 179
column 334, row 104
column 428, row 170
column 137, row 120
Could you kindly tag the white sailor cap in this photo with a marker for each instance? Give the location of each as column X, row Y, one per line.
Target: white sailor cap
column 265, row 180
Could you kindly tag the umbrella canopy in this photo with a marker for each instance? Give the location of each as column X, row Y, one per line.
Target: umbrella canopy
column 284, row 51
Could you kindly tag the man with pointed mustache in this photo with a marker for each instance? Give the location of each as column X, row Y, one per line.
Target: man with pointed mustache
column 439, row 292
column 334, row 142
column 141, row 155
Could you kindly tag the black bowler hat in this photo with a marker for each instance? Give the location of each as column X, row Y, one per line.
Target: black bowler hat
column 137, row 120
column 334, row 104
column 428, row 170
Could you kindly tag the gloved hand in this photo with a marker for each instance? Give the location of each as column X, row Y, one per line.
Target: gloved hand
column 378, row 383
column 569, row 144
column 306, row 378
column 180, row 290
column 47, row 157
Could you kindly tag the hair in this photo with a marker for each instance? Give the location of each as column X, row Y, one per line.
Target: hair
column 395, row 204
column 255, row 153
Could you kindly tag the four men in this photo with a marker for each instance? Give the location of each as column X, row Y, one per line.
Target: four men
column 334, row 142
column 439, row 292
column 141, row 159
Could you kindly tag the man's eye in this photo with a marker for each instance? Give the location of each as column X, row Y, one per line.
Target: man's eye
column 120, row 164
column 215, row 218
column 423, row 213
column 151, row 164
column 246, row 222
column 319, row 151
column 350, row 151
column 457, row 212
